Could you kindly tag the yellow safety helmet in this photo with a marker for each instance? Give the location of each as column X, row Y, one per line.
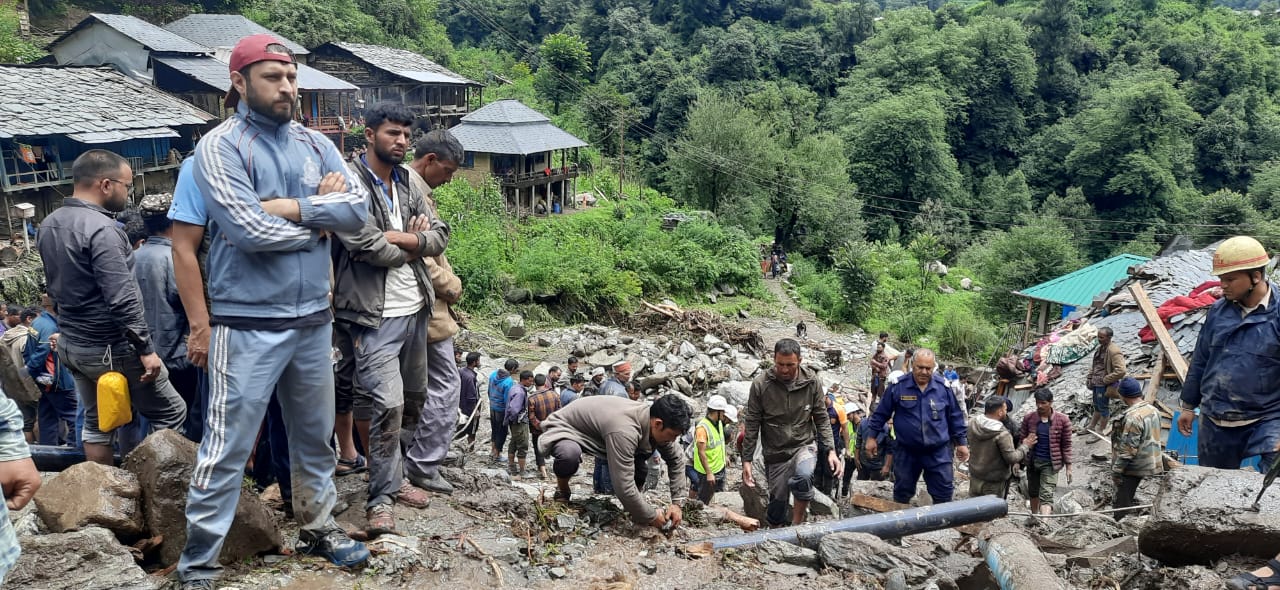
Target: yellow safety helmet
column 1239, row 253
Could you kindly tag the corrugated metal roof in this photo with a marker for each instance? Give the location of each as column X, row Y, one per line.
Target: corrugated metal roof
column 149, row 35
column 57, row 100
column 123, row 135
column 215, row 73
column 224, row 30
column 510, row 127
column 1079, row 288
column 405, row 64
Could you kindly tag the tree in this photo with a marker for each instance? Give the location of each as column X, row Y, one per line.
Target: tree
column 561, row 72
column 732, row 57
column 855, row 265
column 718, row 162
column 316, row 23
column 819, row 211
column 1024, row 256
column 926, row 249
column 897, row 148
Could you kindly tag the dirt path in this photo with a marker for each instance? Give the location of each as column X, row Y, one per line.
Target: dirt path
column 772, row 329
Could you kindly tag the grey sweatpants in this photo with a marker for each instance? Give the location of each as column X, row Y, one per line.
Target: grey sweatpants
column 436, row 415
column 788, row 478
column 244, row 367
column 390, row 364
column 157, row 401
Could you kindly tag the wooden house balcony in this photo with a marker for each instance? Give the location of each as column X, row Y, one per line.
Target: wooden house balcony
column 538, row 178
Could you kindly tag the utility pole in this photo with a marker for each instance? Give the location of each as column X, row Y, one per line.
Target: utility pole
column 622, row 155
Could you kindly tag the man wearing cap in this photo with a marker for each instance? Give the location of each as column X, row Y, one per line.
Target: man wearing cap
column 593, row 384
column 162, row 307
column 1135, row 444
column 786, row 412
column 88, row 262
column 1236, row 366
column 709, row 449
column 616, row 384
column 275, row 191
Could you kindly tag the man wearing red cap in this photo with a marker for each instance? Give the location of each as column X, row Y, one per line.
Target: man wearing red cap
column 275, row 191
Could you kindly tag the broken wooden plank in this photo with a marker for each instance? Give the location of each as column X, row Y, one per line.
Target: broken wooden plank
column 1162, row 334
column 877, row 504
column 1153, row 385
column 1023, row 386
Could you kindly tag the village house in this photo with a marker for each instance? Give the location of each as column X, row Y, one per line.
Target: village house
column 438, row 96
column 535, row 162
column 49, row 115
column 188, row 58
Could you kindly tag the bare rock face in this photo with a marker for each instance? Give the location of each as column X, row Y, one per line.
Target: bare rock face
column 1201, row 515
column 163, row 464
column 513, row 326
column 90, row 494
column 89, row 559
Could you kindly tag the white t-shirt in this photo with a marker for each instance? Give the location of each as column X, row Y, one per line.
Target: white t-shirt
column 402, row 296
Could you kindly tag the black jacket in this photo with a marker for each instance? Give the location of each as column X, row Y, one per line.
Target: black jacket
column 88, row 267
column 361, row 259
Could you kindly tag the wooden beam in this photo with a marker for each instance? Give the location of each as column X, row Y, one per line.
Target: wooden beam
column 877, row 504
column 1154, row 384
column 1162, row 333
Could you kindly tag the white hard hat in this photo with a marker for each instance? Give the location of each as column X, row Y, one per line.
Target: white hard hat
column 851, row 407
column 731, row 414
column 717, row 402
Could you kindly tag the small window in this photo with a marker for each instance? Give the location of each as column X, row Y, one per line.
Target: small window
column 469, row 161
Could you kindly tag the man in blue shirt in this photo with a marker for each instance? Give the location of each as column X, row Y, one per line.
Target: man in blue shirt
column 928, row 423
column 499, row 382
column 58, row 403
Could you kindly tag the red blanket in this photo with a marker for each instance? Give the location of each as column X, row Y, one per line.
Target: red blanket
column 1202, row 296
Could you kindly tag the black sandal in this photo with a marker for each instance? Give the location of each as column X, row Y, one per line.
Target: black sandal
column 1251, row 581
column 347, row 467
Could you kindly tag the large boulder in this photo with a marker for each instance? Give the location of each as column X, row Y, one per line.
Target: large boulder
column 163, row 464
column 735, row 392
column 1201, row 515
column 604, row 358
column 90, row 494
column 89, row 559
column 871, row 559
column 513, row 326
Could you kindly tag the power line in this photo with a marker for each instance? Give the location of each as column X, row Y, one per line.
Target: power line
column 723, row 164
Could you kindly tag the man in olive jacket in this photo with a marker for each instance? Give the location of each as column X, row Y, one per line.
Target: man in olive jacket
column 786, row 412
column 992, row 453
column 1104, row 375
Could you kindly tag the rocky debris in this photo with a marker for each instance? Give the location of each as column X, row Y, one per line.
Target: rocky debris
column 395, row 554
column 966, row 283
column 89, row 559
column 163, row 464
column 1201, row 514
column 870, row 559
column 1087, row 530
column 688, row 350
column 735, row 391
column 648, row 566
column 823, row 505
column 90, row 494
column 773, row 551
column 504, row 549
column 754, row 500
column 513, row 326
column 544, row 341
column 518, row 295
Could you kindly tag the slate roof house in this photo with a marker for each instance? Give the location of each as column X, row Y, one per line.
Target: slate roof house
column 195, row 69
column 126, row 43
column 49, row 115
column 437, row 95
column 533, row 160
column 224, row 30
column 1163, row 278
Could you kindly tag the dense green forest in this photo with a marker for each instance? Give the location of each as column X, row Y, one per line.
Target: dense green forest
column 1014, row 140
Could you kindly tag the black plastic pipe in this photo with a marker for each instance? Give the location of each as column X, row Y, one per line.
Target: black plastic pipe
column 886, row 525
column 49, row 458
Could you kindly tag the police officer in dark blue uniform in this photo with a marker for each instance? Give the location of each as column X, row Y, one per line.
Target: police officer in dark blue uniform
column 928, row 422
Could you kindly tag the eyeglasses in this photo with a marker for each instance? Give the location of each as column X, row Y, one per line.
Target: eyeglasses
column 128, row 186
